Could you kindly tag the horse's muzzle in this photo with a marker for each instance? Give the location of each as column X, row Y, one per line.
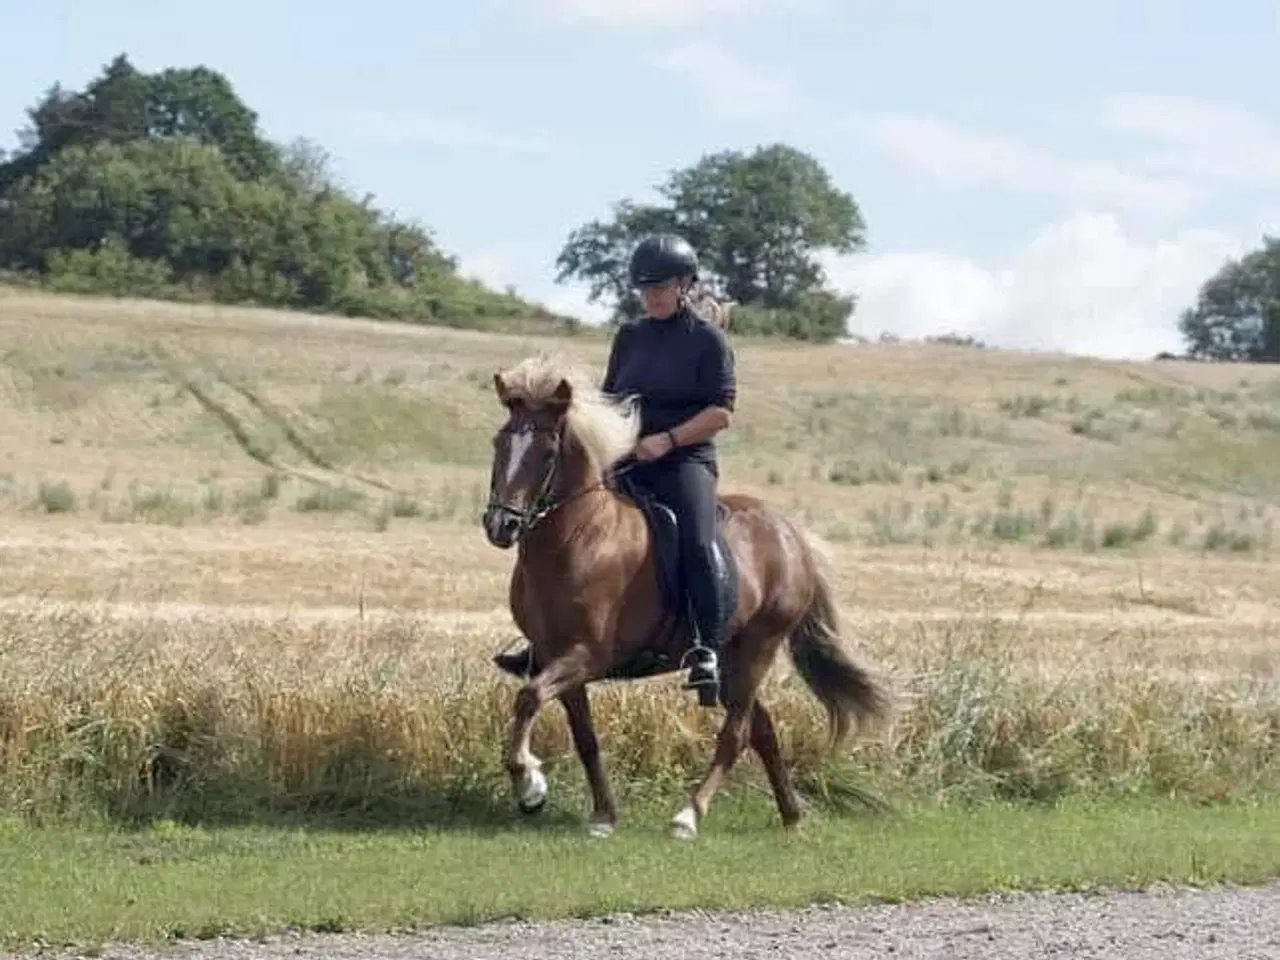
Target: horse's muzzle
column 501, row 526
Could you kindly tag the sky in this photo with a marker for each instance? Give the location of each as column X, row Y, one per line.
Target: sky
column 1057, row 176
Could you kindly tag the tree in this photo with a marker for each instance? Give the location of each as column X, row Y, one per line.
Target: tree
column 599, row 253
column 124, row 105
column 761, row 218
column 1237, row 312
column 758, row 220
column 162, row 185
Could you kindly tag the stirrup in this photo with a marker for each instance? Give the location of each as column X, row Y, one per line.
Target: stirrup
column 703, row 676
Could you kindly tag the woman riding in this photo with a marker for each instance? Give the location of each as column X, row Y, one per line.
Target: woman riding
column 679, row 365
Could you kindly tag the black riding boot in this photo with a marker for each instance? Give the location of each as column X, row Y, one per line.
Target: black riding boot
column 708, row 621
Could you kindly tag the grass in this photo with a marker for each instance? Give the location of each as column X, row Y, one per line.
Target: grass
column 243, row 592
column 86, row 887
column 133, row 717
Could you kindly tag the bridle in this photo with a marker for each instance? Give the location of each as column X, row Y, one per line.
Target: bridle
column 544, row 503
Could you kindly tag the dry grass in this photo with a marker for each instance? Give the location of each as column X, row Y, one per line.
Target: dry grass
column 240, row 553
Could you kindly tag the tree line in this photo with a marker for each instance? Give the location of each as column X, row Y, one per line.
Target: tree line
column 163, row 185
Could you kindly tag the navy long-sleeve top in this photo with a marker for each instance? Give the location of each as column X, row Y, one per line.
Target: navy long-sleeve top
column 676, row 367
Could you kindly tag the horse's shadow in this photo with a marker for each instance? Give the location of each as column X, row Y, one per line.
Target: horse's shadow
column 476, row 806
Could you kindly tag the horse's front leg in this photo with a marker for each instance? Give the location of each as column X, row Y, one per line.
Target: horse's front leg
column 529, row 784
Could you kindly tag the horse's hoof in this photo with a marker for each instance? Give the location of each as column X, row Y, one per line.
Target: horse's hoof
column 684, row 825
column 532, row 794
column 600, row 829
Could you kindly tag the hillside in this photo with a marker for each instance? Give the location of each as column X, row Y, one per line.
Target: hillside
column 255, row 536
column 873, row 444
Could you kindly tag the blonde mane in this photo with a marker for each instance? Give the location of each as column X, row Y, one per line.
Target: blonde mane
column 607, row 429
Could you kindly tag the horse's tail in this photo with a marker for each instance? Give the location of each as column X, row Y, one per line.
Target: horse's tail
column 844, row 687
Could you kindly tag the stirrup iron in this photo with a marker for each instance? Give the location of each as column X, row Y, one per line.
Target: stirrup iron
column 708, row 676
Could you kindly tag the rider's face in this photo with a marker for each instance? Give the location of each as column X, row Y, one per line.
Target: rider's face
column 661, row 300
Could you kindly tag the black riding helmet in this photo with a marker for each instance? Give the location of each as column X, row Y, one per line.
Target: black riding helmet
column 662, row 257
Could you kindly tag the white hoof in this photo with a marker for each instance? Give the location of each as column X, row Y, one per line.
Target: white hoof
column 532, row 792
column 684, row 825
column 599, row 829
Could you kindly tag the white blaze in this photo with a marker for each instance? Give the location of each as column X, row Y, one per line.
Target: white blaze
column 520, row 444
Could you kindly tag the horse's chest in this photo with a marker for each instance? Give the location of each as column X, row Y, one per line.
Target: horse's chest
column 553, row 604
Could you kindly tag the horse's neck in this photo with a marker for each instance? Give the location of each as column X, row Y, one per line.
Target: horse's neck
column 584, row 501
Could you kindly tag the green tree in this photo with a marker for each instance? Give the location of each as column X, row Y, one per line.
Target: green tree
column 162, row 185
column 599, row 253
column 123, row 105
column 759, row 221
column 1236, row 316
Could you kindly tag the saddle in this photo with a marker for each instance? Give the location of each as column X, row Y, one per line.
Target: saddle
column 664, row 531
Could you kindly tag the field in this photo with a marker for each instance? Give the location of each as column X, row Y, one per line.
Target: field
column 244, row 592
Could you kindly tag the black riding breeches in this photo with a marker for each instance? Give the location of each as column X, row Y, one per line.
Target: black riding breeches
column 688, row 487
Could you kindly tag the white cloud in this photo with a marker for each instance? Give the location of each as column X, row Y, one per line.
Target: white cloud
column 1205, row 139
column 726, row 85
column 1086, row 284
column 954, row 154
column 402, row 128
column 490, row 269
column 1082, row 286
column 667, row 13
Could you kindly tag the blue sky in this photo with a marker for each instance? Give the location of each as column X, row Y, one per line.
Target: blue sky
column 1047, row 175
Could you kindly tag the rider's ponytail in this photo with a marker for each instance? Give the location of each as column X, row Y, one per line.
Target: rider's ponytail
column 705, row 304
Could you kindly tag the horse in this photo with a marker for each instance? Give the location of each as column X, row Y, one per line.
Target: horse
column 593, row 591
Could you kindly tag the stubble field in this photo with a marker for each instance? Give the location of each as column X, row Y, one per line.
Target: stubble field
column 246, row 613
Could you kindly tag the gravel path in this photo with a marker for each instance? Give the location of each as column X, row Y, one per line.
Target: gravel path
column 1169, row 924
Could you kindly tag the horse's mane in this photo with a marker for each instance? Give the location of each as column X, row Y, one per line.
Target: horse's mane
column 606, row 428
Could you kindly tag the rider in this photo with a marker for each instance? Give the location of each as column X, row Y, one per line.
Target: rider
column 681, row 368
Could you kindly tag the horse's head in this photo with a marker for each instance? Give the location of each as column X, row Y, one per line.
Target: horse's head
column 526, row 451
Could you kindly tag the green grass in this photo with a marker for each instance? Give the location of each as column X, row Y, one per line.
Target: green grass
column 384, row 424
column 87, row 886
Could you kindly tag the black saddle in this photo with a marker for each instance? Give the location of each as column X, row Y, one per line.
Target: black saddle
column 664, row 529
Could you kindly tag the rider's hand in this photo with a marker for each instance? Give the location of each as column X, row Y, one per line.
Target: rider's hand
column 653, row 446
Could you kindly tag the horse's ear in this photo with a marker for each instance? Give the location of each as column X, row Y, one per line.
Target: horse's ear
column 561, row 398
column 500, row 388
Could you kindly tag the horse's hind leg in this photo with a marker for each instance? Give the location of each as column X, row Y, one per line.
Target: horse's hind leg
column 764, row 740
column 729, row 744
column 604, row 811
column 742, row 680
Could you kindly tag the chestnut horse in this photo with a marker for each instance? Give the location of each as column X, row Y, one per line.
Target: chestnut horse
column 587, row 590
